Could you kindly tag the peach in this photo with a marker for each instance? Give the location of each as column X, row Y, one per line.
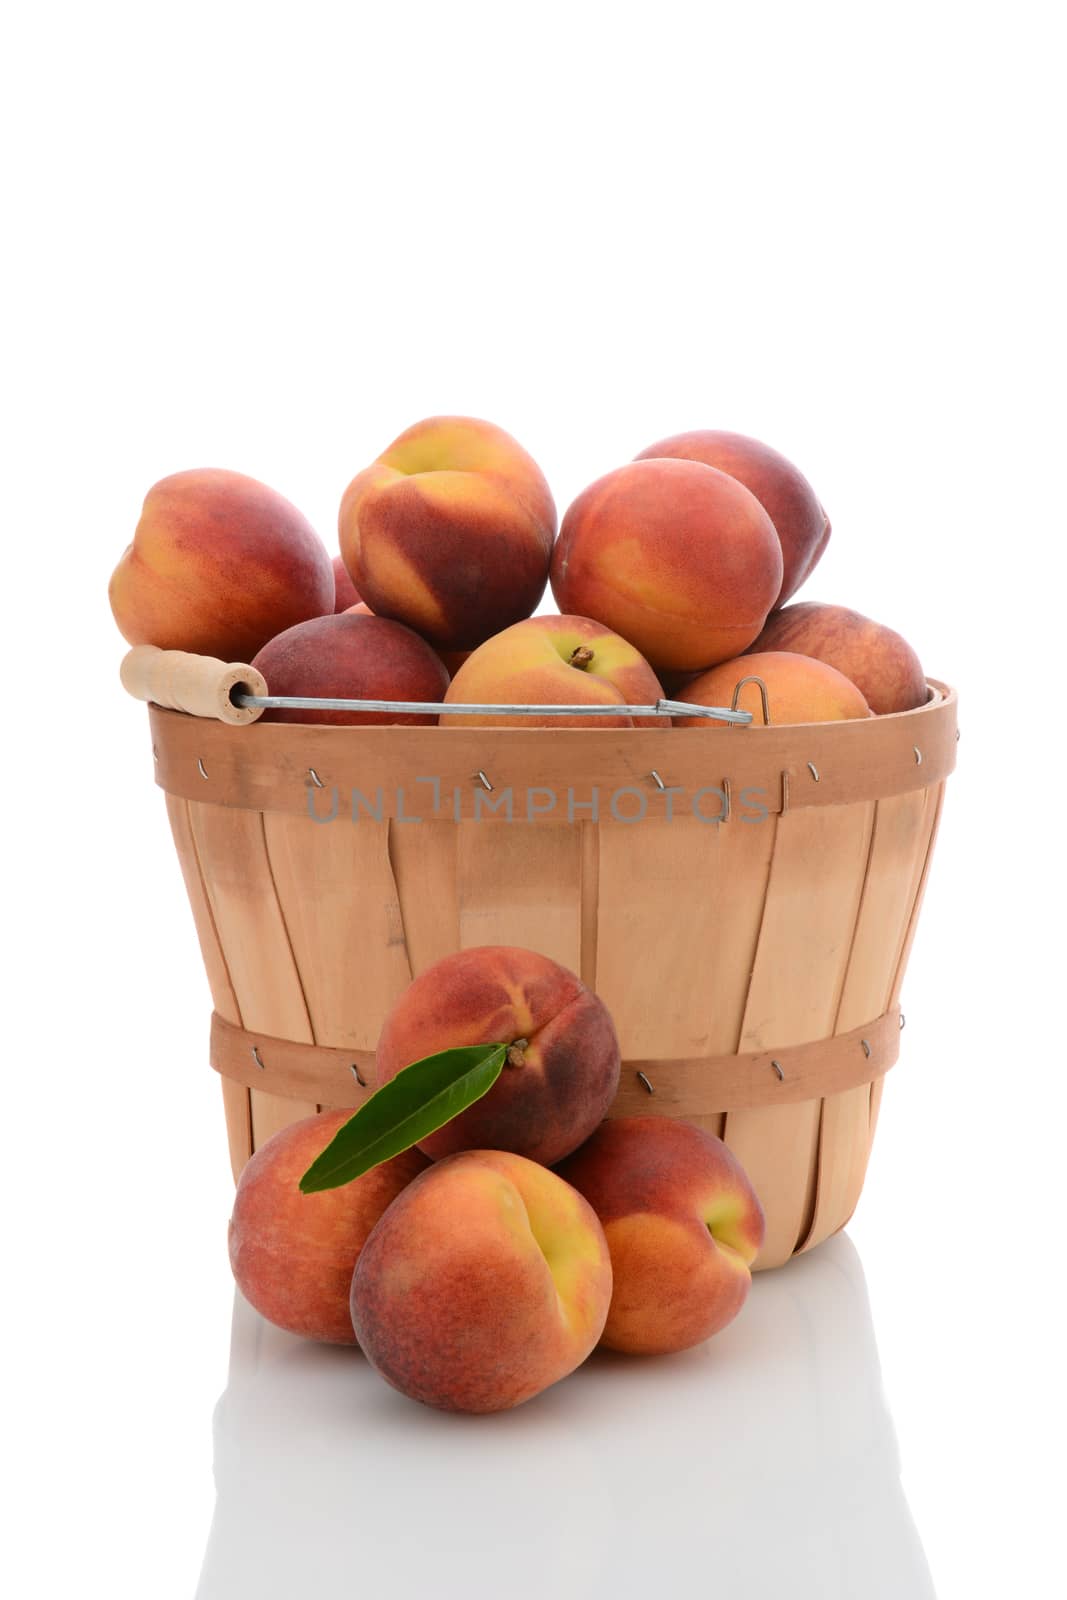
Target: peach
column 679, row 558
column 683, row 1225
column 563, row 1062
column 487, row 1280
column 880, row 663
column 351, row 657
column 454, row 659
column 784, row 493
column 799, row 689
column 293, row 1254
column 450, row 531
column 218, row 565
column 346, row 593
column 555, row 661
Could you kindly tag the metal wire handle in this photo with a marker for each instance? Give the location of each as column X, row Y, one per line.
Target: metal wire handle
column 661, row 708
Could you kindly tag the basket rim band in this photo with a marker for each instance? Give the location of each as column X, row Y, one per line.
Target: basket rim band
column 695, row 1087
column 552, row 775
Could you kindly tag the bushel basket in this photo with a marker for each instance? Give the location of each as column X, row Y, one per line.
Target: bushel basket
column 742, row 898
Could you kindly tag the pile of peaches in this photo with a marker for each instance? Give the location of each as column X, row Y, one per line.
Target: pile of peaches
column 487, row 1261
column 671, row 574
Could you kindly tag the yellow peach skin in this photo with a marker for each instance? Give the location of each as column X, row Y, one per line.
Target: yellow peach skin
column 485, row 1282
column 563, row 1065
column 683, row 1226
column 881, row 664
column 450, row 531
column 799, row 689
column 678, row 558
column 219, row 564
column 554, row 661
column 293, row 1254
column 800, row 522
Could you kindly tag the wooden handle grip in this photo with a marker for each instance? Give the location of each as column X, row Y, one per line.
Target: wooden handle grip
column 199, row 685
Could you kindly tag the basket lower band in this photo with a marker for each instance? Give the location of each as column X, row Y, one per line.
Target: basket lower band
column 682, row 1088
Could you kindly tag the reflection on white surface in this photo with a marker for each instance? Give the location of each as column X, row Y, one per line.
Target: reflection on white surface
column 762, row 1464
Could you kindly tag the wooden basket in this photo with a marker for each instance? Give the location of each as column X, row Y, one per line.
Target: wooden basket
column 752, row 964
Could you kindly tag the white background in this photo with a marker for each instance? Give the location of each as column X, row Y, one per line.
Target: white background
column 269, row 237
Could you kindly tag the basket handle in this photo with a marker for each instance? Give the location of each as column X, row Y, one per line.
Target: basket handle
column 235, row 693
column 199, row 685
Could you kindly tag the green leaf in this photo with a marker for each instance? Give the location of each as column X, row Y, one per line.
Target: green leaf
column 418, row 1101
